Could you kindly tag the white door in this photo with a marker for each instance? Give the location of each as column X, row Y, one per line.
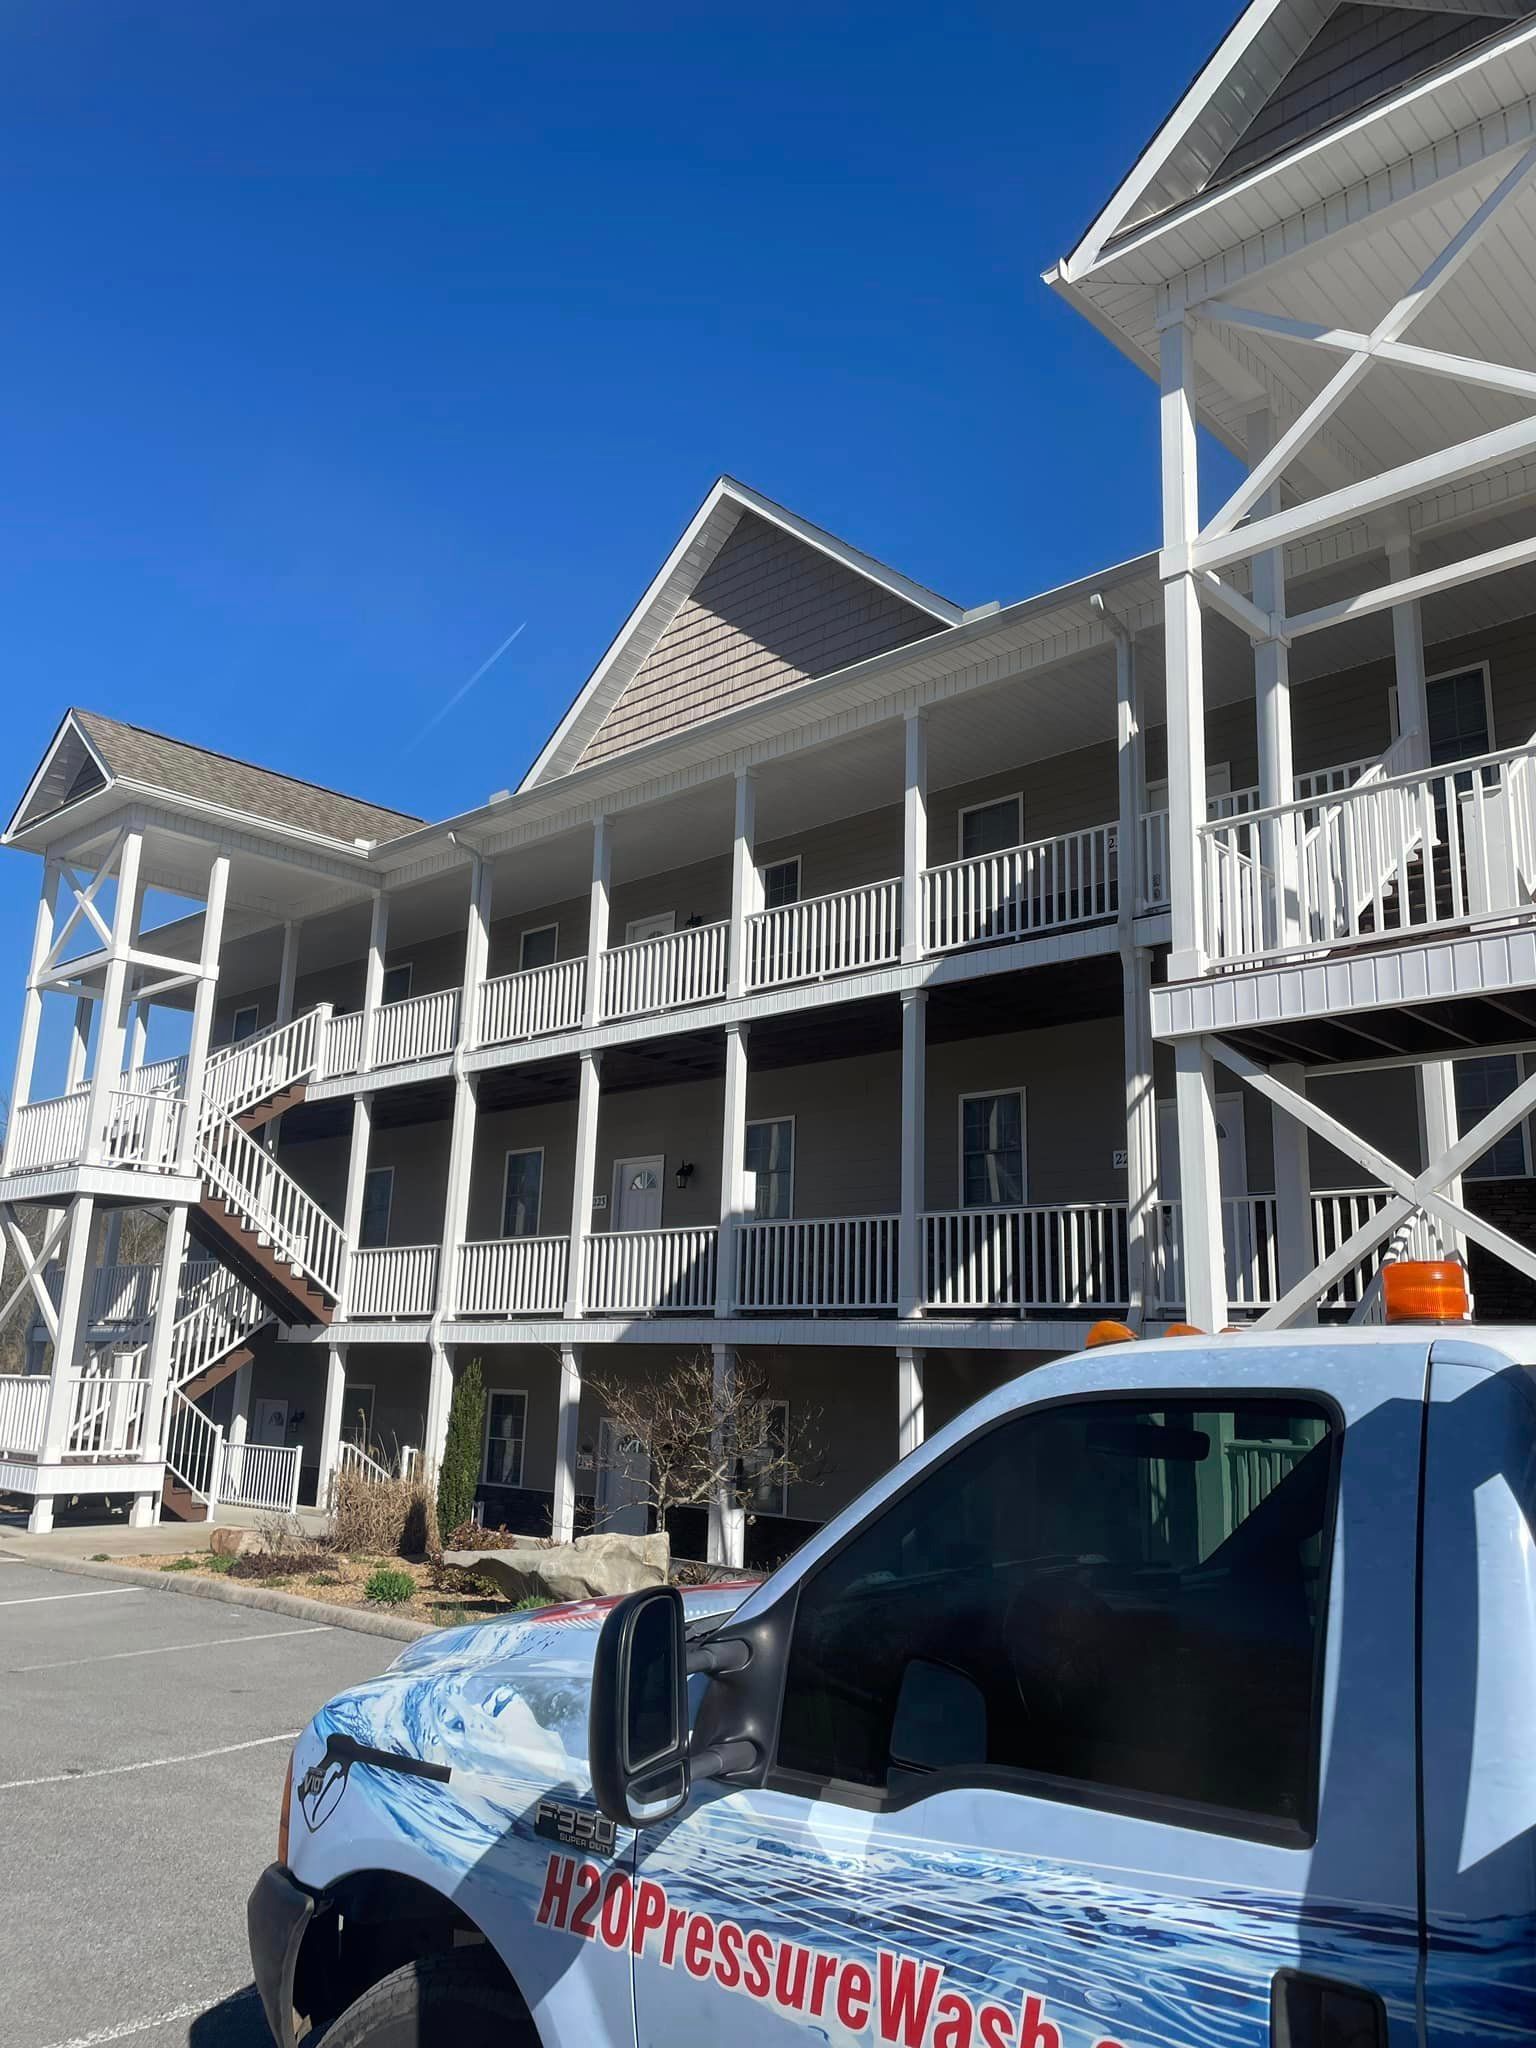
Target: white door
column 637, row 1193
column 269, row 1422
column 660, row 926
column 623, row 1473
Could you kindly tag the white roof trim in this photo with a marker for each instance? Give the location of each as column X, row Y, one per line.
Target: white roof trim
column 678, row 576
column 67, row 725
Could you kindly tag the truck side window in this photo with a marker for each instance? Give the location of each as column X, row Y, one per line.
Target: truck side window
column 1114, row 1600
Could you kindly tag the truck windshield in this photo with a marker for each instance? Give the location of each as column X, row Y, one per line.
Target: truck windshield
column 1110, row 1595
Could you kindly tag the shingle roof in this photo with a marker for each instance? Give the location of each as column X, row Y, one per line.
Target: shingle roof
column 163, row 763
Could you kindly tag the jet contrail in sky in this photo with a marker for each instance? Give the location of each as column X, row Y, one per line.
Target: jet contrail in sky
column 464, row 688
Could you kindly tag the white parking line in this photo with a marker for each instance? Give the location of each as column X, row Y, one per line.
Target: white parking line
column 164, row 1649
column 102, row 1593
column 126, row 2029
column 153, row 1763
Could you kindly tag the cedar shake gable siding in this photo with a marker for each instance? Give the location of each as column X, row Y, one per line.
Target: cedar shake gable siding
column 768, row 613
column 159, row 762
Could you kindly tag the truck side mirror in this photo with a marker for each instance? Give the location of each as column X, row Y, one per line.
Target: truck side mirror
column 637, row 1731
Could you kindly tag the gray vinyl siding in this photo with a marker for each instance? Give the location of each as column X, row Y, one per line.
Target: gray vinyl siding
column 702, row 891
column 769, row 612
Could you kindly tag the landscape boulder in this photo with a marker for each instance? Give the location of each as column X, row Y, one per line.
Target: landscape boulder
column 225, row 1542
column 591, row 1568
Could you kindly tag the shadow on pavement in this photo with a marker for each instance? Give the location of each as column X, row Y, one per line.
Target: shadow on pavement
column 235, row 2022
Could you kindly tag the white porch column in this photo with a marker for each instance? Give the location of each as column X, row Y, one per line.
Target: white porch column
column 1272, row 700
column 79, row 1044
column 288, row 972
column 1438, row 1132
column 1295, row 1256
column 32, row 1005
column 910, row 1430
column 910, row 1289
column 1184, row 654
column 240, row 1403
column 1141, row 1187
column 330, row 1421
column 727, row 1523
column 202, row 1004
column 914, row 848
column 744, row 879
column 71, row 1312
column 111, row 1028
column 352, row 1207
column 1408, row 650
column 588, row 1103
column 373, row 978
column 733, row 1170
column 477, row 951
column 567, row 1442
column 167, row 1307
column 439, row 1401
column 138, row 1036
column 461, row 1163
column 1205, row 1268
column 597, row 920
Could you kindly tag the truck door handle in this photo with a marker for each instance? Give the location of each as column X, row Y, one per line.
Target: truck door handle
column 1320, row 2012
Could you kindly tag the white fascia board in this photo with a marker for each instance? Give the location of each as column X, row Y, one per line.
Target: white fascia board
column 726, row 501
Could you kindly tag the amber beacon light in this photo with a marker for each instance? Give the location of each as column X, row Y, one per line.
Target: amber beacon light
column 1424, row 1291
column 1108, row 1333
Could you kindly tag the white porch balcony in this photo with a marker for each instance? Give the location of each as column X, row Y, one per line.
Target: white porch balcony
column 836, row 1265
column 825, row 935
column 533, row 1002
column 1250, row 1237
column 393, row 1281
column 1045, row 886
column 1058, row 1258
column 126, row 1294
column 667, row 972
column 105, row 1424
column 646, row 1271
column 513, row 1276
column 134, row 1128
column 416, row 1028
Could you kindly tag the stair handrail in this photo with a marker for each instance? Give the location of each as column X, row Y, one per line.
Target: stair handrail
column 247, row 1072
column 225, row 1318
column 1344, row 835
column 193, row 1448
column 271, row 1202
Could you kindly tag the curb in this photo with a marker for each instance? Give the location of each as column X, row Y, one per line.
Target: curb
column 393, row 1627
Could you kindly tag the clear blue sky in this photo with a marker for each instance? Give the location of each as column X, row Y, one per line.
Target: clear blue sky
column 341, row 339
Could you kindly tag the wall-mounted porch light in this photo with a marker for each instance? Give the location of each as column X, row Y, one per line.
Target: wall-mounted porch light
column 683, row 1175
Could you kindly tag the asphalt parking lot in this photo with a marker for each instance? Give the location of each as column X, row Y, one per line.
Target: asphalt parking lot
column 143, row 1740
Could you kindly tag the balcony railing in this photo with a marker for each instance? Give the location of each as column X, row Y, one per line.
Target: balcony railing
column 533, row 1002
column 417, row 1028
column 638, row 1271
column 667, row 972
column 832, row 1265
column 143, row 1130
column 1153, row 884
column 513, row 1276
column 1070, row 1257
column 23, row 1406
column 822, row 935
column 1049, row 884
column 259, row 1476
column 126, row 1294
column 394, row 1280
column 50, row 1133
column 342, row 1044
column 106, row 1416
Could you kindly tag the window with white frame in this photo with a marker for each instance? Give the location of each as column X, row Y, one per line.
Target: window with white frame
column 1460, row 719
column 1481, row 1085
column 244, row 1024
column 522, row 1193
column 770, row 1155
column 506, row 1429
column 991, row 827
column 378, row 1195
column 537, row 948
column 763, row 1475
column 781, row 883
column 397, row 983
column 992, row 1150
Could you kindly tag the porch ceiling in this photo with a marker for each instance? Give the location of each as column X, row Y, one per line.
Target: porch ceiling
column 1428, row 1030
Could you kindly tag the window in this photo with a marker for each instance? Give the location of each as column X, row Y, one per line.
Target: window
column 506, row 1427
column 522, row 1192
column 1480, row 1086
column 378, row 1193
column 1118, row 1600
column 538, row 947
column 771, row 1156
column 765, row 1473
column 781, row 883
column 992, row 1150
column 245, row 1022
column 991, row 828
column 397, row 983
column 1459, row 725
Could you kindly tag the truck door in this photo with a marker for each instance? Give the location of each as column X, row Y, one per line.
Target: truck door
column 1479, row 1593
column 1097, row 1729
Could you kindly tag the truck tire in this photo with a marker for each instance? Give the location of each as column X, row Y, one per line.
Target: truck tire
column 461, row 2000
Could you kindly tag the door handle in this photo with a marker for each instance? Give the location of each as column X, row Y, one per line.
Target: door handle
column 1320, row 2012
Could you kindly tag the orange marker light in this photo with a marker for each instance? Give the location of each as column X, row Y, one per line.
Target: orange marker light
column 1425, row 1291
column 1109, row 1333
column 1183, row 1330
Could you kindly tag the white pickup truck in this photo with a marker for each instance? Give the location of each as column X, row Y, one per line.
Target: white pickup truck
column 1178, row 1695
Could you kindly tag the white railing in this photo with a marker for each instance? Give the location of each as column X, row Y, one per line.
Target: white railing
column 142, row 1130
column 393, row 1280
column 23, row 1408
column 1069, row 1256
column 419, row 1028
column 1153, row 882
column 161, row 1077
column 824, row 935
column 641, row 1270
column 1250, row 1241
column 1040, row 887
column 272, row 1203
column 259, row 1476
column 532, row 1002
column 193, row 1450
column 513, row 1276
column 227, row 1314
column 341, row 1045
column 351, row 1457
column 1254, row 1469
column 49, row 1133
column 1337, row 1215
column 1320, row 782
column 667, row 972
column 826, row 1265
column 106, row 1415
column 240, row 1075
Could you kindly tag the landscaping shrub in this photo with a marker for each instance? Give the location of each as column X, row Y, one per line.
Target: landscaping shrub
column 181, row 1564
column 460, row 1473
column 389, row 1586
column 470, row 1536
column 383, row 1517
column 256, row 1564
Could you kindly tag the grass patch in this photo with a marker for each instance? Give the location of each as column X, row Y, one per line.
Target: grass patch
column 100, row 1557
column 216, row 1562
column 181, row 1564
column 389, row 1588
